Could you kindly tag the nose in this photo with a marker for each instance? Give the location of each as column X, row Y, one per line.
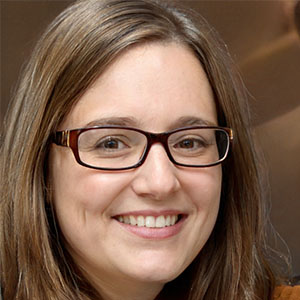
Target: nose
column 157, row 178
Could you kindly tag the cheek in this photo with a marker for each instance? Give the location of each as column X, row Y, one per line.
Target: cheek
column 89, row 192
column 204, row 188
column 78, row 190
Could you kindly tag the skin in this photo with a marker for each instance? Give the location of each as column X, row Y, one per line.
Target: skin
column 154, row 85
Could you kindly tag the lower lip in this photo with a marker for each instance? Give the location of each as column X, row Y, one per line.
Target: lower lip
column 155, row 233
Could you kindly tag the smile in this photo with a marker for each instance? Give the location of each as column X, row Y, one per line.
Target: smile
column 149, row 221
column 152, row 225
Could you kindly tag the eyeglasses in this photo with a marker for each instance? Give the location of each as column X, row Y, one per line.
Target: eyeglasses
column 121, row 148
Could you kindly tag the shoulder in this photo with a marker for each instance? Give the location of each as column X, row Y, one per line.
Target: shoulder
column 287, row 292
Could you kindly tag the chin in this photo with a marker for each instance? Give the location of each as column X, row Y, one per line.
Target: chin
column 153, row 270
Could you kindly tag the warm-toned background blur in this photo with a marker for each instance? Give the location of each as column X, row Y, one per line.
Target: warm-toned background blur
column 263, row 40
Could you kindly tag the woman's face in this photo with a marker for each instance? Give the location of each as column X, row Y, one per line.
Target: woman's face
column 156, row 88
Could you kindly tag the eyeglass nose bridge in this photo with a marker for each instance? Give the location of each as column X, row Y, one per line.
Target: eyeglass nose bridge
column 156, row 138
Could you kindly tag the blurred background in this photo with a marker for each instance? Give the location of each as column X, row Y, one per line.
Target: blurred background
column 264, row 40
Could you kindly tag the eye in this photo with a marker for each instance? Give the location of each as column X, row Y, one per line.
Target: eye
column 186, row 144
column 190, row 144
column 111, row 143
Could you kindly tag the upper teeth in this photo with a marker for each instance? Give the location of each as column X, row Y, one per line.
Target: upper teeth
column 149, row 221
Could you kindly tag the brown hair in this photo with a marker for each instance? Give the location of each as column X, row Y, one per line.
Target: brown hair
column 73, row 52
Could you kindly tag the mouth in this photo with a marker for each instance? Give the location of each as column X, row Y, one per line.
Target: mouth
column 149, row 221
column 152, row 225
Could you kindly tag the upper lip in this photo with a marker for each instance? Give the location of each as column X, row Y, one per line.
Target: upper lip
column 154, row 213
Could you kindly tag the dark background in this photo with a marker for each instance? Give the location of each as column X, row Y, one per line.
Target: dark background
column 262, row 38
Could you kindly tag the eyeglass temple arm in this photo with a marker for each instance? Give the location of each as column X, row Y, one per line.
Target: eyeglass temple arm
column 230, row 133
column 62, row 138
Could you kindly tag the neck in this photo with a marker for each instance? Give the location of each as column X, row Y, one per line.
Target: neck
column 136, row 293
column 112, row 289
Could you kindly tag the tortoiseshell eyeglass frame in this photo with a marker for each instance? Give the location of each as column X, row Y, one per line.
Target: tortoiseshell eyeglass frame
column 69, row 138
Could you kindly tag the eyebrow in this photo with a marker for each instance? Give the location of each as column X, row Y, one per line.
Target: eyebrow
column 120, row 121
column 133, row 122
column 192, row 121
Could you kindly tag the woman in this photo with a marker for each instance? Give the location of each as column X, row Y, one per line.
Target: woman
column 134, row 175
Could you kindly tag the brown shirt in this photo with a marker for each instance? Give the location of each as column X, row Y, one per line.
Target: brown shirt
column 287, row 293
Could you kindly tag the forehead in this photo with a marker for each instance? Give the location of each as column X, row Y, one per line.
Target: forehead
column 153, row 84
